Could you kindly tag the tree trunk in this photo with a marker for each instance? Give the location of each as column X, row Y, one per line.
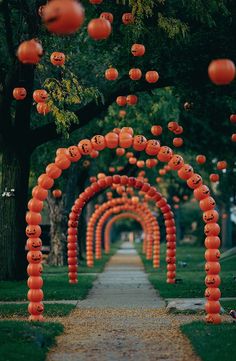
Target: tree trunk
column 13, row 200
column 57, row 231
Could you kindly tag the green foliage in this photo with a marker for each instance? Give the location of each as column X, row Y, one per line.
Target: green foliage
column 173, row 27
column 27, row 340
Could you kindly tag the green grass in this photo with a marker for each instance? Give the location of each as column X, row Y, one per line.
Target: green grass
column 228, row 305
column 212, row 342
column 29, row 341
column 192, row 276
column 20, row 310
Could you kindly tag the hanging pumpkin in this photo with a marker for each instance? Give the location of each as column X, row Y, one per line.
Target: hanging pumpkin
column 179, row 130
column 40, row 96
column 156, row 130
column 207, row 204
column 138, row 50
column 194, row 181
column 94, row 154
column 111, row 74
column 35, row 282
column 33, row 231
column 221, row 71
column 19, row 93
column 212, row 268
column 35, row 295
column 112, row 140
column 34, row 257
column 127, row 18
column 121, row 101
column 135, row 74
column 74, row 154
column 200, row 159
column 212, row 307
column 185, row 172
column 35, row 269
column 172, row 126
column 53, row 171
column 39, row 193
column 150, row 163
column 165, row 154
column 57, row 193
column 233, row 118
column 95, row 2
column 62, row 161
column 140, row 163
column 233, row 137
column 221, row 165
column 99, row 29
column 43, row 108
column 131, row 99
column 162, row 172
column 212, row 229
column 98, row 142
column 127, row 130
column 122, row 113
column 57, row 58
column 176, row 162
column 63, row 17
column 85, row 146
column 152, row 147
column 211, row 216
column 178, row 142
column 125, row 140
column 35, row 205
column 30, row 52
column 45, row 181
column 139, row 142
column 214, row 177
column 107, row 16
column 212, row 242
column 132, row 160
column 151, row 76
column 212, row 294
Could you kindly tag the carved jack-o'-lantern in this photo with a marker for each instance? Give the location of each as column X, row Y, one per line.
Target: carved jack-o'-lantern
column 176, row 162
column 165, row 154
column 127, row 18
column 85, row 146
column 138, row 50
column 30, row 52
column 57, row 58
column 153, row 147
column 185, row 172
column 19, row 93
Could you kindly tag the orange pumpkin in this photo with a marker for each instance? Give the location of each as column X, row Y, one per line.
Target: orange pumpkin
column 63, row 17
column 45, row 181
column 95, row 2
column 214, row 177
column 35, row 205
column 178, row 142
column 121, row 101
column 210, row 216
column 212, row 242
column 33, row 231
column 212, row 307
column 98, row 142
column 40, row 96
column 221, row 165
column 74, row 153
column 127, row 130
column 112, row 140
column 150, row 163
column 35, row 282
column 162, row 172
column 139, row 142
column 35, row 308
column 19, row 93
column 30, row 52
column 212, row 229
column 233, row 118
column 34, row 244
column 221, row 71
column 53, row 171
column 127, row 18
column 125, row 140
column 107, row 16
column 152, row 76
column 135, row 74
column 34, row 269
column 43, row 108
column 85, row 146
column 138, row 50
column 156, row 130
column 201, row 192
column 35, row 295
column 207, row 204
column 34, row 257
column 111, row 74
column 179, row 130
column 94, row 154
column 131, row 99
column 213, row 318
column 120, row 152
column 122, row 113
column 62, row 161
column 194, row 181
column 132, row 160
column 176, row 162
column 200, row 159
column 212, row 281
column 57, row 58
column 140, row 163
column 165, row 154
column 212, row 268
column 172, row 126
column 233, row 137
column 185, row 172
column 99, row 29
column 57, row 193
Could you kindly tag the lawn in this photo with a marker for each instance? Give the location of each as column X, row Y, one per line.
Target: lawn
column 20, row 310
column 212, row 342
column 192, row 276
column 22, row 341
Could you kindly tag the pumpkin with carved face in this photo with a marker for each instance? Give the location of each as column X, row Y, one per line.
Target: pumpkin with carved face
column 172, row 126
column 212, row 281
column 195, row 181
column 185, row 172
column 139, row 142
column 127, row 18
column 153, row 147
column 176, row 162
column 165, row 154
column 33, row 231
column 63, row 17
column 212, row 229
column 34, row 257
column 210, row 216
column 201, row 192
column 57, row 58
column 19, row 93
column 40, row 96
column 74, row 153
column 212, row 268
column 138, row 49
column 98, row 142
column 35, row 308
column 213, row 318
column 207, row 204
column 107, row 16
column 85, row 147
column 34, row 244
column 213, row 254
column 170, row 260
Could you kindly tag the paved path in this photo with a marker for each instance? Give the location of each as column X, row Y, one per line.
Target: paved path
column 122, row 319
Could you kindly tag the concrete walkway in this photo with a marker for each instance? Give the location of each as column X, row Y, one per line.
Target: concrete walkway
column 122, row 319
